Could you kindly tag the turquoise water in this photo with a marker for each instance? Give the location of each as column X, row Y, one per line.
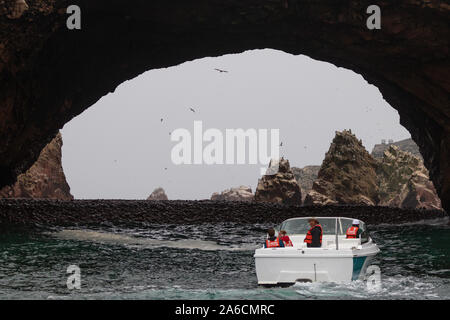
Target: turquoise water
column 205, row 262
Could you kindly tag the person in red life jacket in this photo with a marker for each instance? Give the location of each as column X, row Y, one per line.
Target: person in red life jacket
column 354, row 231
column 285, row 238
column 272, row 241
column 313, row 238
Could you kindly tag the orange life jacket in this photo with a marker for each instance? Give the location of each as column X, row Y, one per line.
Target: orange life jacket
column 308, row 238
column 352, row 233
column 273, row 244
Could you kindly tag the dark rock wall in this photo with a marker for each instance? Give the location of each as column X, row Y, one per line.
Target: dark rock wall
column 49, row 74
column 131, row 213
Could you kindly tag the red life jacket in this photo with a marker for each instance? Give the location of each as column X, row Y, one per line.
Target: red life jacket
column 308, row 238
column 287, row 242
column 273, row 244
column 352, row 233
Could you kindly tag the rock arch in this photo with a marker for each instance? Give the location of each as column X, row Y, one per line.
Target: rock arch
column 49, row 74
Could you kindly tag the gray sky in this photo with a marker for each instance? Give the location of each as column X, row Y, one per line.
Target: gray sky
column 119, row 148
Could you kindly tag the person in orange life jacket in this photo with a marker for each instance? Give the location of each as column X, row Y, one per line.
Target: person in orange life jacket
column 313, row 238
column 354, row 231
column 285, row 238
column 272, row 241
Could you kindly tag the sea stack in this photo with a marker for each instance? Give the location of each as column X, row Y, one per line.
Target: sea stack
column 280, row 186
column 158, row 194
column 347, row 175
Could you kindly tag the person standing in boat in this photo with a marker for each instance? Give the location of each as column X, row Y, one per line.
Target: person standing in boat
column 272, row 241
column 313, row 238
column 354, row 231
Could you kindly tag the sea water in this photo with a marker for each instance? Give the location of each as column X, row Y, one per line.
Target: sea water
column 205, row 261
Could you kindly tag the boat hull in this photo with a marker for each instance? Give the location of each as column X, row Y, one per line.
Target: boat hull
column 281, row 266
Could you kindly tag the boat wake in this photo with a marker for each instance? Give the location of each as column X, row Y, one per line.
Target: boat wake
column 143, row 243
column 393, row 287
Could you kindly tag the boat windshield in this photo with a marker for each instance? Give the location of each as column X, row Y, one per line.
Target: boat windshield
column 298, row 226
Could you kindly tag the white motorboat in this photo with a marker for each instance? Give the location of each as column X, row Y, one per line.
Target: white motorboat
column 338, row 259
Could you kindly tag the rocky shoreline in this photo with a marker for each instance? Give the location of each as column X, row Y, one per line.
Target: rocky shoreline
column 129, row 213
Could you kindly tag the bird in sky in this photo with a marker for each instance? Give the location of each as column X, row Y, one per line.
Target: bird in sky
column 221, row 70
column 161, row 119
column 192, row 110
column 281, row 144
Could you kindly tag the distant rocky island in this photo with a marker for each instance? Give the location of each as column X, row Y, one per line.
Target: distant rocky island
column 391, row 175
column 45, row 179
column 350, row 175
column 158, row 194
column 242, row 193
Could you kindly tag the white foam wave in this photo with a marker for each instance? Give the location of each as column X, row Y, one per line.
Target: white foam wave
column 394, row 287
column 127, row 240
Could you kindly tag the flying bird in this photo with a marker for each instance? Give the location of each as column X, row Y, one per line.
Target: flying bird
column 220, row 70
column 281, row 144
column 161, row 119
column 192, row 110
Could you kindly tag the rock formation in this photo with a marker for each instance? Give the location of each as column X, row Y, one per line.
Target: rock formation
column 407, row 145
column 242, row 193
column 13, row 9
column 419, row 193
column 45, row 179
column 158, row 194
column 305, row 178
column 403, row 181
column 280, row 187
column 50, row 74
column 347, row 174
